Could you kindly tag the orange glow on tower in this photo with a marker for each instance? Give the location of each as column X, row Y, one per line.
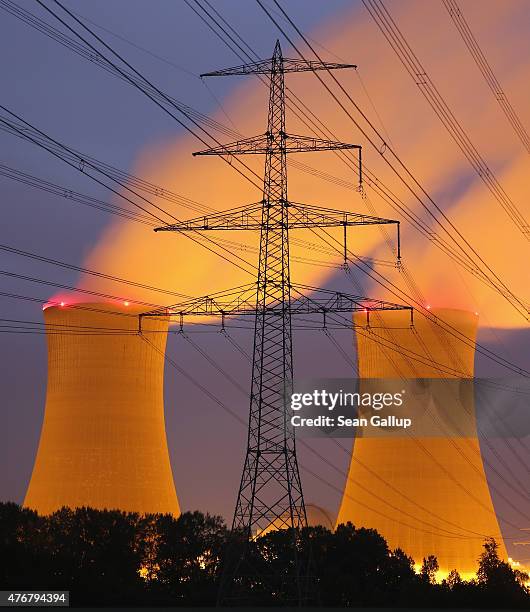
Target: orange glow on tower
column 103, row 440
column 438, row 497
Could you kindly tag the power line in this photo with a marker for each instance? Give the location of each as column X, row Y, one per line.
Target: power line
column 399, row 293
column 62, row 264
column 42, row 281
column 430, row 235
column 144, row 90
column 398, row 43
column 300, row 108
column 218, row 14
column 146, row 87
column 76, row 161
column 501, row 287
column 82, row 160
column 216, row 400
column 227, row 376
column 406, row 274
column 95, row 58
column 71, row 195
column 136, row 84
column 101, row 205
column 456, row 14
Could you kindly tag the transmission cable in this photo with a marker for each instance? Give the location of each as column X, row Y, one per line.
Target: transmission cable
column 456, row 14
column 521, row 307
column 406, row 275
column 225, row 374
column 302, row 442
column 81, row 167
column 398, row 43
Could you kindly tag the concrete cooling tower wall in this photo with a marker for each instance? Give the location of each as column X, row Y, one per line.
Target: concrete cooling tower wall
column 438, row 497
column 103, row 440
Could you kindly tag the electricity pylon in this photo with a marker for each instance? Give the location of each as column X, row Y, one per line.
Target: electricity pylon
column 270, row 490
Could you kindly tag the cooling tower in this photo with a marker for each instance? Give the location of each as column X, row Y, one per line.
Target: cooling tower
column 438, row 497
column 103, row 440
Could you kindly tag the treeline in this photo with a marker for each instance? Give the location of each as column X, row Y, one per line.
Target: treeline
column 125, row 559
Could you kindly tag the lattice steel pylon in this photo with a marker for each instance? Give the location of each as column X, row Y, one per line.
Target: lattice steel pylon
column 270, row 490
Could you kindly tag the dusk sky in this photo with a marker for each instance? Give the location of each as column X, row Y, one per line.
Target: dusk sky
column 81, row 105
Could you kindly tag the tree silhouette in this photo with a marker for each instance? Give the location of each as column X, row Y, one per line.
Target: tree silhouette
column 93, row 553
column 500, row 584
column 429, row 567
column 23, row 553
column 185, row 556
column 453, row 580
column 113, row 558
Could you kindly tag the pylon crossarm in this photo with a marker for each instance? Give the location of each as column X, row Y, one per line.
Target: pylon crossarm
column 266, row 66
column 249, row 217
column 267, row 143
column 241, row 297
column 303, row 305
column 301, row 144
column 240, row 302
column 245, row 146
column 307, row 215
column 324, row 300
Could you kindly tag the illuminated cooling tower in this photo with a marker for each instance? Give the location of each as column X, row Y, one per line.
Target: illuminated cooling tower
column 103, row 441
column 438, row 497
